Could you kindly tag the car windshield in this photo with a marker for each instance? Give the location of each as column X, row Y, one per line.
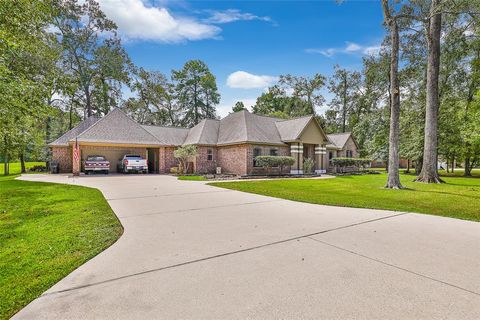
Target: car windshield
column 133, row 157
column 95, row 158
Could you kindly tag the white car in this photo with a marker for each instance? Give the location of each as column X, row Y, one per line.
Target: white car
column 132, row 163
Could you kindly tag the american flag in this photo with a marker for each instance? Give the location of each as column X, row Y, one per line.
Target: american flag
column 76, row 151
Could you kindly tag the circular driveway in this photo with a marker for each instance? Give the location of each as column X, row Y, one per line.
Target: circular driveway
column 194, row 251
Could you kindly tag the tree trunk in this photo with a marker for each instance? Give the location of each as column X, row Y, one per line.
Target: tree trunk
column 468, row 168
column 22, row 163
column 88, row 101
column 393, row 179
column 429, row 172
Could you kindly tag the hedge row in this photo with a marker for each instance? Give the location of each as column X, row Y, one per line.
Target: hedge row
column 274, row 161
column 348, row 162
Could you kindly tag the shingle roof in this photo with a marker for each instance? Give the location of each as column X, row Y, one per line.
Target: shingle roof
column 71, row 134
column 206, row 133
column 117, row 127
column 244, row 126
column 291, row 129
column 169, row 136
column 238, row 127
column 338, row 139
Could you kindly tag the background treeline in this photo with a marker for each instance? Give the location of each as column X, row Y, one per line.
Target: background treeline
column 62, row 61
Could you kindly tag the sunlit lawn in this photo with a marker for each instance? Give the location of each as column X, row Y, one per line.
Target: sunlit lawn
column 458, row 197
column 46, row 231
column 15, row 167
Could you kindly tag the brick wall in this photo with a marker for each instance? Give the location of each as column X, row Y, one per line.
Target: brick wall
column 201, row 163
column 233, row 159
column 63, row 155
column 265, row 151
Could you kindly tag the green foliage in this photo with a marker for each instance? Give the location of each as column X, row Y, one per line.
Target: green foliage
column 239, row 106
column 183, row 154
column 349, row 162
column 47, row 231
column 274, row 161
column 308, row 165
column 197, row 92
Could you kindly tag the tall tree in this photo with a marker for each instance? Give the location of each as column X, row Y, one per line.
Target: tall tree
column 93, row 56
column 25, row 47
column 306, row 89
column 391, row 20
column 346, row 87
column 197, row 92
column 429, row 172
column 156, row 102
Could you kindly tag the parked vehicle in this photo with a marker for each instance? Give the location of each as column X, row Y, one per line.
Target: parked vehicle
column 132, row 163
column 96, row 164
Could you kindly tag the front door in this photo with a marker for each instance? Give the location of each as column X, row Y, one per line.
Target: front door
column 152, row 157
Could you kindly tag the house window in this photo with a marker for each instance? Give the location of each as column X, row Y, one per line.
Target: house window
column 256, row 152
column 274, row 152
column 210, row 154
column 349, row 154
column 330, row 155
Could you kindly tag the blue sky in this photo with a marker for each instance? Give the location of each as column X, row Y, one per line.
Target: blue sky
column 247, row 44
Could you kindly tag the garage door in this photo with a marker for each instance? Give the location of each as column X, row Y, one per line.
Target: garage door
column 112, row 154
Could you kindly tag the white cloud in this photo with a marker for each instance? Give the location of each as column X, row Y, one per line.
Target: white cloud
column 137, row 21
column 232, row 15
column 245, row 80
column 350, row 48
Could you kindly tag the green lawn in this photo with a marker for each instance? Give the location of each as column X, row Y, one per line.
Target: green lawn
column 192, row 178
column 458, row 198
column 46, row 231
column 15, row 167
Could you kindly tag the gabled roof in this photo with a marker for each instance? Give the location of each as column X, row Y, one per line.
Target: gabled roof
column 169, row 136
column 72, row 133
column 117, row 127
column 290, row 130
column 339, row 139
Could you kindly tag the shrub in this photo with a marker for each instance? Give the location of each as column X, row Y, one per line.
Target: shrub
column 274, row 161
column 174, row 170
column 38, row 168
column 183, row 154
column 308, row 165
column 349, row 162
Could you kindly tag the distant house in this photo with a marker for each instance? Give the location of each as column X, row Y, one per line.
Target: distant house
column 342, row 145
column 231, row 143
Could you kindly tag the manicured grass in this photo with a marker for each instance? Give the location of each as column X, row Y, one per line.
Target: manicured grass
column 16, row 169
column 458, row 198
column 46, row 231
column 192, row 178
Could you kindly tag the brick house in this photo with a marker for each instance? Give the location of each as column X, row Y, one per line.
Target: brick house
column 231, row 143
column 342, row 145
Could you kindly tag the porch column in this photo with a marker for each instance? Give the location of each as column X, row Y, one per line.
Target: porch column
column 76, row 158
column 320, row 152
column 296, row 150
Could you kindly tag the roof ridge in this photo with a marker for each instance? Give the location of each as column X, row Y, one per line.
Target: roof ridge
column 78, row 125
column 126, row 116
column 169, row 127
column 339, row 133
column 296, row 118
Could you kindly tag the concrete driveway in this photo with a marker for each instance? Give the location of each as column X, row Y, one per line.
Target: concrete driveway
column 192, row 251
